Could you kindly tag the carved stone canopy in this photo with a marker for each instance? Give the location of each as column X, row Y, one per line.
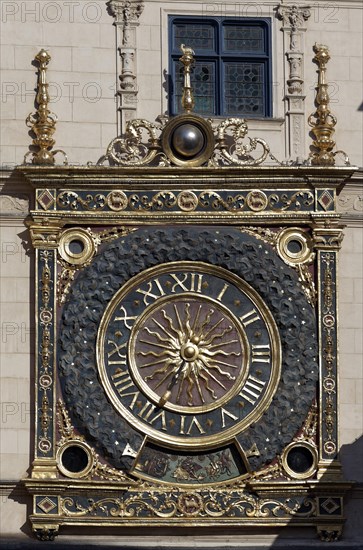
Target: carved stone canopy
column 125, row 11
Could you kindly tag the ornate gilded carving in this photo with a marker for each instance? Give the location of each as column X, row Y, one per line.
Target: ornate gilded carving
column 270, row 472
column 43, row 122
column 77, row 246
column 327, row 238
column 134, row 150
column 299, row 257
column 237, row 153
column 87, row 242
column 329, row 358
column 276, row 201
column 172, row 503
column 325, row 121
column 187, row 60
column 186, row 140
column 46, row 533
column 45, row 235
column 96, row 469
column 330, row 534
column 309, row 430
column 46, row 354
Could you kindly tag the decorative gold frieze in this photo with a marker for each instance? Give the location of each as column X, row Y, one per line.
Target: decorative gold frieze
column 43, row 121
column 189, row 504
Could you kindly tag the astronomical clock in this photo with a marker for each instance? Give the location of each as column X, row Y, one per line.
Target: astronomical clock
column 186, row 335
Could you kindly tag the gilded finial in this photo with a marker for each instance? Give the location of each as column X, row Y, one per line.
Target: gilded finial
column 43, row 121
column 187, row 59
column 323, row 125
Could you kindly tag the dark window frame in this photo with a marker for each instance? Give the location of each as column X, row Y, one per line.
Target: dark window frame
column 221, row 57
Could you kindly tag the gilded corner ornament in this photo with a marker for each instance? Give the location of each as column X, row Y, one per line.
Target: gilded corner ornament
column 69, row 440
column 43, row 121
column 325, row 121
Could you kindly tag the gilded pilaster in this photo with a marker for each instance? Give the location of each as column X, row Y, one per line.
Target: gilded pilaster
column 45, row 241
column 327, row 241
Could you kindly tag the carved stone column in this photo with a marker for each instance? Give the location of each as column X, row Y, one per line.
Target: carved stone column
column 293, row 25
column 126, row 14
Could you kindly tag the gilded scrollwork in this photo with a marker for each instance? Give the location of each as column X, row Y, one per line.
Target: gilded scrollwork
column 143, row 145
column 329, row 356
column 173, row 503
column 131, row 150
column 231, row 149
column 46, row 353
column 272, row 471
column 97, row 469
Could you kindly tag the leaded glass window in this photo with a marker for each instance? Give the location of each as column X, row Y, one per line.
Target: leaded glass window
column 232, row 71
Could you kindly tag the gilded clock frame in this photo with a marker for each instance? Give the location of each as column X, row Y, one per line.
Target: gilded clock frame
column 76, row 203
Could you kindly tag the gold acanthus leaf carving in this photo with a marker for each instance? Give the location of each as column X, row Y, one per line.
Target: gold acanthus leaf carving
column 203, row 504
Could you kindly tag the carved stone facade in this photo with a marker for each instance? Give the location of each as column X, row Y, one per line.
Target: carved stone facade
column 294, row 20
column 126, row 14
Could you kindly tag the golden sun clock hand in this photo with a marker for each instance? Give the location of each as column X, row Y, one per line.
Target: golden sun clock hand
column 189, row 355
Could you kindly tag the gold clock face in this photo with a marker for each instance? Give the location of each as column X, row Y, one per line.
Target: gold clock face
column 189, row 354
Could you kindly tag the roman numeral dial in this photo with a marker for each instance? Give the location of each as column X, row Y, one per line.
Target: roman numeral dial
column 189, row 354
